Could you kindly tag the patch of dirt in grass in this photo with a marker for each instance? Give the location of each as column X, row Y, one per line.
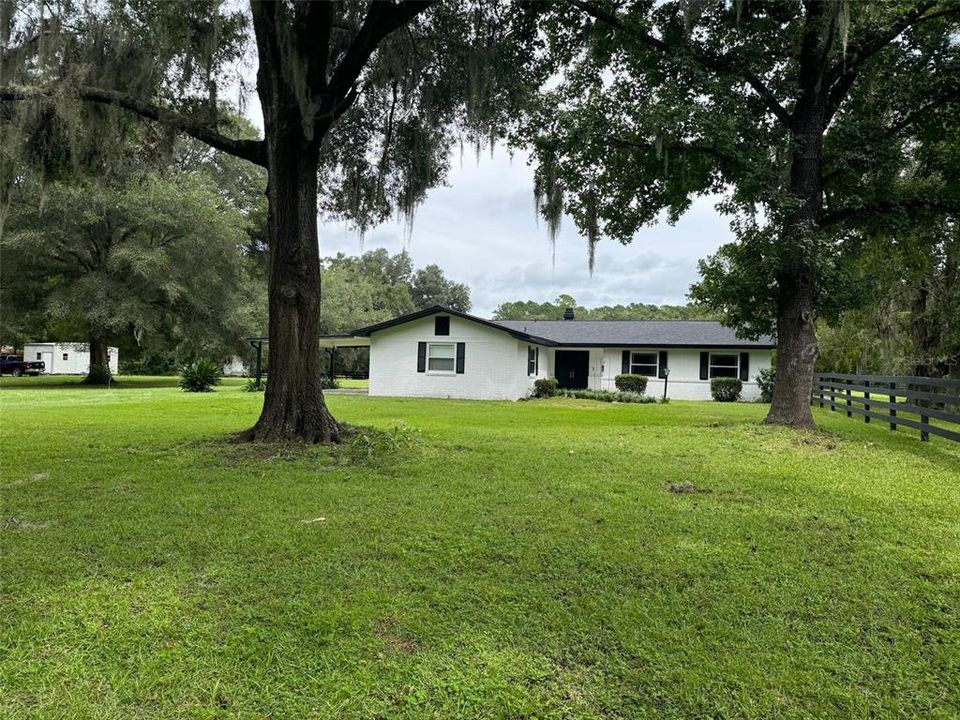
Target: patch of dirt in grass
column 686, row 488
column 36, row 477
column 385, row 628
column 18, row 523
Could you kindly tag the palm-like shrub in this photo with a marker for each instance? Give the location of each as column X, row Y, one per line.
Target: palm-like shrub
column 199, row 376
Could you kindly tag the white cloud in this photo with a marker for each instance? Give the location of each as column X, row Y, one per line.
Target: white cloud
column 482, row 230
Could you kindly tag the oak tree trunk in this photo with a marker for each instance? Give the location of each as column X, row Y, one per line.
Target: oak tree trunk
column 294, row 407
column 797, row 276
column 98, row 361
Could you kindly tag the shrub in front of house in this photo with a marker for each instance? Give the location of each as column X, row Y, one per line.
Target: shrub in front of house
column 199, row 376
column 328, row 383
column 766, row 380
column 726, row 389
column 607, row 396
column 545, row 388
column 631, row 383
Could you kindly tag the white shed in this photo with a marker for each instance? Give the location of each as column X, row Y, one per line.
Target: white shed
column 67, row 358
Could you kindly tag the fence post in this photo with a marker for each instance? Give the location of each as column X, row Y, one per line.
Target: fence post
column 893, row 411
column 924, row 435
column 820, row 387
column 866, row 403
column 849, row 403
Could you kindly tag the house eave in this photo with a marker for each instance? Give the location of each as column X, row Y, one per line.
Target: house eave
column 437, row 309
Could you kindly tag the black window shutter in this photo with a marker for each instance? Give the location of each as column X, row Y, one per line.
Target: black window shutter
column 744, row 366
column 663, row 364
column 461, row 347
column 536, row 363
column 704, row 366
column 441, row 325
column 625, row 369
column 421, row 357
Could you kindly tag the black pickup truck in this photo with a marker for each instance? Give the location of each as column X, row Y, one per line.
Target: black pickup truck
column 15, row 365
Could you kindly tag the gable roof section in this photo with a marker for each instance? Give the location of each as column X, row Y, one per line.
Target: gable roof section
column 636, row 333
column 597, row 333
column 519, row 334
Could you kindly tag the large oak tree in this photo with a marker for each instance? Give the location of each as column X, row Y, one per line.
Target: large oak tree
column 346, row 97
column 775, row 104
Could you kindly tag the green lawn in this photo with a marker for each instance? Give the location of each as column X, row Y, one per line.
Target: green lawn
column 496, row 560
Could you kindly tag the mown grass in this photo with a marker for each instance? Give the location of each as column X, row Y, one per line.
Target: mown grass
column 487, row 560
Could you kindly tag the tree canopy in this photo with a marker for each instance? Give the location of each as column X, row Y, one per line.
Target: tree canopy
column 153, row 257
column 803, row 115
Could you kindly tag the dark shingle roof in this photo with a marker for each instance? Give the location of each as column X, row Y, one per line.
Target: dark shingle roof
column 598, row 333
column 647, row 333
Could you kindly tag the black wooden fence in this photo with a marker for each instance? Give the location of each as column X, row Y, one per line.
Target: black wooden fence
column 913, row 402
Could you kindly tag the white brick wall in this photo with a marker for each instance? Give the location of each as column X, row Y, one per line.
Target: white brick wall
column 684, row 363
column 495, row 363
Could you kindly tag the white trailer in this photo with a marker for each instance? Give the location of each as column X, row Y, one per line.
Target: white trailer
column 67, row 358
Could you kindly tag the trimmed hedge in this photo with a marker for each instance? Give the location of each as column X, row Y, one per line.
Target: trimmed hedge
column 607, row 396
column 631, row 383
column 545, row 388
column 726, row 389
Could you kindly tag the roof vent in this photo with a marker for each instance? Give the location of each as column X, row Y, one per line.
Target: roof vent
column 568, row 314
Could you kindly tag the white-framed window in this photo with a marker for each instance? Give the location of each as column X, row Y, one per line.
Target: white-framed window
column 724, row 365
column 644, row 363
column 39, row 356
column 65, row 356
column 533, row 360
column 441, row 357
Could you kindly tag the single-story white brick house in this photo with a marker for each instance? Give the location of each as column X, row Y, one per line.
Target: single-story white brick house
column 67, row 358
column 440, row 352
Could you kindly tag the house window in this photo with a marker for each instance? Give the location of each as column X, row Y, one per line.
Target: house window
column 39, row 356
column 65, row 356
column 441, row 357
column 724, row 365
column 441, row 325
column 533, row 360
column 642, row 363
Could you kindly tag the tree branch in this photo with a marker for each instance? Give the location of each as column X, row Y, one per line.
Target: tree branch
column 723, row 64
column 382, row 18
column 252, row 150
column 843, row 74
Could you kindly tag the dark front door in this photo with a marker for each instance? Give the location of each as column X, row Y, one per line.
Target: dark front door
column 572, row 368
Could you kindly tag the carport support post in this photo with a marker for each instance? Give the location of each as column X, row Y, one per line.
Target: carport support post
column 259, row 346
column 333, row 354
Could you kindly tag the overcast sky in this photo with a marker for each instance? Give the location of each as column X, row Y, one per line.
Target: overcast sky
column 482, row 231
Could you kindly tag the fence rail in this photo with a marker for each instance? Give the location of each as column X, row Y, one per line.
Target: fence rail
column 890, row 397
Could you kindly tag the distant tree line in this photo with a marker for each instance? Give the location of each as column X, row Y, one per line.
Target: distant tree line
column 532, row 310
